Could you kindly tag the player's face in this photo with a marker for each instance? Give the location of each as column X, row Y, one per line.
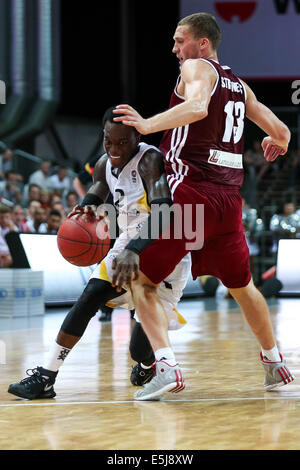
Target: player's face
column 185, row 44
column 120, row 143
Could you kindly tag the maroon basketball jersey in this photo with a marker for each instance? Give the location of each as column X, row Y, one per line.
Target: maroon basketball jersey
column 210, row 149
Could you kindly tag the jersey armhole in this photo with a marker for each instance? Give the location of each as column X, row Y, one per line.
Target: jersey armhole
column 217, row 73
column 245, row 91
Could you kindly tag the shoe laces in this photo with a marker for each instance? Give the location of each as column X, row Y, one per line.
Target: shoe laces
column 34, row 376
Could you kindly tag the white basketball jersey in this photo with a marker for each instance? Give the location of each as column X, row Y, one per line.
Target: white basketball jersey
column 130, row 198
column 128, row 191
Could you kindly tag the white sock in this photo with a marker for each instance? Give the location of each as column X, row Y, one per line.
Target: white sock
column 271, row 355
column 167, row 354
column 56, row 357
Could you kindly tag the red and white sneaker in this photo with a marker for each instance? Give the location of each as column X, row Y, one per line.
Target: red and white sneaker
column 167, row 379
column 276, row 373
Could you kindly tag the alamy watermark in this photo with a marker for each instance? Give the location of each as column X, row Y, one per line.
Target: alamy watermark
column 2, row 92
column 2, row 352
column 296, row 93
column 178, row 222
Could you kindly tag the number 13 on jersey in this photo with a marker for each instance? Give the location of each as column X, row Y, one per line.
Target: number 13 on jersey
column 234, row 109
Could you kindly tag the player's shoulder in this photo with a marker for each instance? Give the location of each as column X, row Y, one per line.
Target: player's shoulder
column 197, row 68
column 100, row 166
column 102, row 160
column 199, row 63
column 152, row 160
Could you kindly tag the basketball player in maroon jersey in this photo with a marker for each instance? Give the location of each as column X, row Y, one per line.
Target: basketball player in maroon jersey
column 202, row 147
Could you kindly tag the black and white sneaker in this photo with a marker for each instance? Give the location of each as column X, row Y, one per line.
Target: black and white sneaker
column 140, row 376
column 39, row 384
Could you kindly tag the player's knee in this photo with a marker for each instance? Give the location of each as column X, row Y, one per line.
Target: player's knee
column 94, row 296
column 149, row 292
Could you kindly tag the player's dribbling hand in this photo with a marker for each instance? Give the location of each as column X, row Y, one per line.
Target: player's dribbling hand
column 131, row 118
column 86, row 210
column 271, row 149
column 126, row 267
column 77, row 210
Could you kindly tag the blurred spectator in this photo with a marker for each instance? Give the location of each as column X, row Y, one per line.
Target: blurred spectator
column 9, row 187
column 54, row 221
column 252, row 225
column 38, row 223
column 58, row 206
column 41, row 177
column 6, row 162
column 60, row 180
column 255, row 163
column 284, row 225
column 72, row 200
column 6, row 225
column 295, row 167
column 6, row 221
column 34, row 192
column 5, row 257
column 31, row 192
column 31, row 210
column 85, row 178
column 45, row 199
column 19, row 219
column 55, row 196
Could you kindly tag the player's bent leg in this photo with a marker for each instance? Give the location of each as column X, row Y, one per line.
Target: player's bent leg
column 154, row 321
column 96, row 294
column 151, row 312
column 256, row 311
column 142, row 353
column 40, row 382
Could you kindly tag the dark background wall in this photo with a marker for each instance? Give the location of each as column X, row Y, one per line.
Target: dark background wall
column 91, row 66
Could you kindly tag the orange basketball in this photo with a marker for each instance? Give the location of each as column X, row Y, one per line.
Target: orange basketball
column 82, row 240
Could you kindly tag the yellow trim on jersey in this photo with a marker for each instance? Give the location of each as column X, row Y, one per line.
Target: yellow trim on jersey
column 103, row 272
column 180, row 318
column 104, row 277
column 88, row 168
column 143, row 201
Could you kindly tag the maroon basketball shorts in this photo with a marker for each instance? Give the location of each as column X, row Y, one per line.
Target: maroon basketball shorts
column 213, row 213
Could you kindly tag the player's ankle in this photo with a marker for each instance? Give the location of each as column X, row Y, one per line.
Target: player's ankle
column 165, row 354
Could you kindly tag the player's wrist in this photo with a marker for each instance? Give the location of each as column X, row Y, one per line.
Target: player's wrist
column 91, row 200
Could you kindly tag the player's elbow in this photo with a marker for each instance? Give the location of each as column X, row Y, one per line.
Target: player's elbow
column 198, row 110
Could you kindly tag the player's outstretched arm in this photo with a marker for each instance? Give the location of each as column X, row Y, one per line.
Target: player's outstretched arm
column 97, row 193
column 199, row 79
column 151, row 169
column 278, row 135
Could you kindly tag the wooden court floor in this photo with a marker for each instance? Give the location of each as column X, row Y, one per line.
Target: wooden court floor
column 224, row 406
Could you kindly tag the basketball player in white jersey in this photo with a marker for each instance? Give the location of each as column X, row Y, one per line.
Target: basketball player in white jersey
column 133, row 172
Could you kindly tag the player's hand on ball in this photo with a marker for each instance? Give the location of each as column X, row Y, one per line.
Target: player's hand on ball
column 90, row 211
column 271, row 149
column 126, row 267
column 77, row 210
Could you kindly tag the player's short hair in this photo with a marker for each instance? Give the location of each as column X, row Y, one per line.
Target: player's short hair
column 203, row 25
column 109, row 116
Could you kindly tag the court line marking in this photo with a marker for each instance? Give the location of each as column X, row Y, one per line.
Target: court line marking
column 118, row 402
